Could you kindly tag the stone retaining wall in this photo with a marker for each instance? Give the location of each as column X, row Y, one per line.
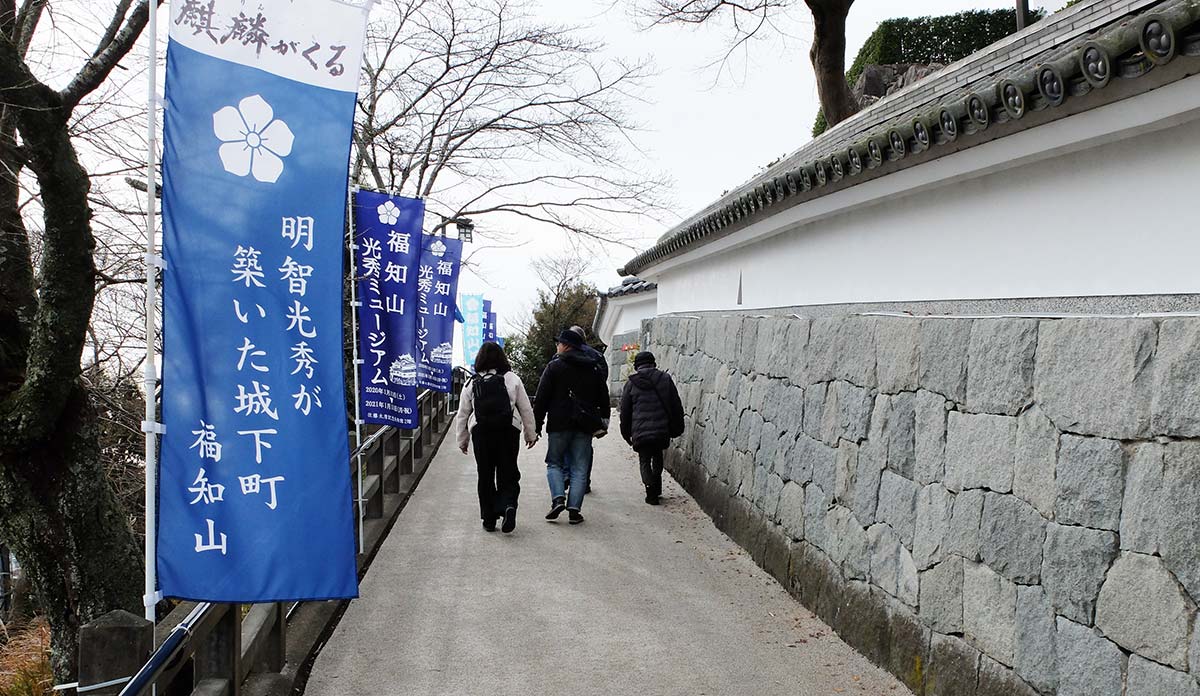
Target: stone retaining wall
column 989, row 507
column 618, row 362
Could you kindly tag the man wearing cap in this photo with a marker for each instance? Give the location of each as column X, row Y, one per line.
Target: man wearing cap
column 651, row 414
column 571, row 402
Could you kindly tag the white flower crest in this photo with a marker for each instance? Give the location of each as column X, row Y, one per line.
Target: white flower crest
column 438, row 249
column 388, row 213
column 254, row 140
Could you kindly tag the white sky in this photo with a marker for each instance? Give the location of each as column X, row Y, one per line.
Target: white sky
column 709, row 129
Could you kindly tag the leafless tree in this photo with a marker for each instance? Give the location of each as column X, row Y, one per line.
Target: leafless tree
column 490, row 114
column 58, row 511
column 749, row 17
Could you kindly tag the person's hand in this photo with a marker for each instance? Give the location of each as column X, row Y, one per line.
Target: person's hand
column 530, row 443
column 464, row 449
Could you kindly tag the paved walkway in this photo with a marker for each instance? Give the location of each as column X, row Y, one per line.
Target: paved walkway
column 637, row 600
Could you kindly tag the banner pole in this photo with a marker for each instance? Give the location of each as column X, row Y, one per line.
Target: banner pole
column 350, row 244
column 150, row 599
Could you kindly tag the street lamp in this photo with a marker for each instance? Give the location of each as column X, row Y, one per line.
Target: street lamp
column 465, row 226
column 466, row 229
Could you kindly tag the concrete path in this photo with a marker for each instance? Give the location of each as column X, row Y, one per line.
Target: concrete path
column 636, row 600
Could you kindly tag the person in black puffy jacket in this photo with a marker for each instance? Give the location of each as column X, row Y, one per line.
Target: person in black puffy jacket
column 651, row 414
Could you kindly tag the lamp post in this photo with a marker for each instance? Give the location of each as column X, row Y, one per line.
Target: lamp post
column 464, row 225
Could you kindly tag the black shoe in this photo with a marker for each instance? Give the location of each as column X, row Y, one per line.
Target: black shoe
column 651, row 499
column 556, row 508
column 575, row 517
column 510, row 520
column 489, row 525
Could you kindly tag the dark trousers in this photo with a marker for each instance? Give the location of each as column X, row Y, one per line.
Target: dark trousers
column 499, row 478
column 652, row 468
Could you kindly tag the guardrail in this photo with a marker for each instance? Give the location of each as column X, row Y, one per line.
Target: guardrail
column 206, row 649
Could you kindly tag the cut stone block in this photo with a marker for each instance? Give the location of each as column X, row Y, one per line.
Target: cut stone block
column 1000, row 367
column 1035, row 459
column 1175, row 409
column 1088, row 664
column 1089, row 482
column 941, row 606
column 944, row 353
column 1011, row 537
column 1149, row 679
column 1074, row 563
column 1035, row 649
column 934, row 507
column 930, row 447
column 990, row 612
column 896, row 350
column 1143, row 609
column 980, row 451
column 898, row 505
column 1091, row 375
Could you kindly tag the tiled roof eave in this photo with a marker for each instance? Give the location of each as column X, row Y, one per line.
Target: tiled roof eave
column 1126, row 49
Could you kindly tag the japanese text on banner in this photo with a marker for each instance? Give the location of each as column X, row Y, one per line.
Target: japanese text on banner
column 387, row 236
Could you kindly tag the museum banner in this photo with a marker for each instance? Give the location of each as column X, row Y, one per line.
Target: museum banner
column 437, row 286
column 255, row 502
column 387, row 238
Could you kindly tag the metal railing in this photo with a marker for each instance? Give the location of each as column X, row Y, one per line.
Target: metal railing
column 207, row 649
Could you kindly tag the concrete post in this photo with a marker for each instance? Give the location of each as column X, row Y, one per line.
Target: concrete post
column 219, row 656
column 112, row 647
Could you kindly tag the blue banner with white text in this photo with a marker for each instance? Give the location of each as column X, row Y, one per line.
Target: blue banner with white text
column 387, row 237
column 472, row 311
column 437, row 286
column 490, row 327
column 255, row 503
column 487, row 309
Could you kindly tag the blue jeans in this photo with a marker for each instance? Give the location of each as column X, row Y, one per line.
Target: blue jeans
column 569, row 454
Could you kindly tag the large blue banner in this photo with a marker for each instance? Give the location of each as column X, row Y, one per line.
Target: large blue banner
column 472, row 311
column 255, row 497
column 437, row 286
column 387, row 237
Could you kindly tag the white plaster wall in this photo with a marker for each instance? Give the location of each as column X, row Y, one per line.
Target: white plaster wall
column 624, row 314
column 633, row 313
column 1115, row 218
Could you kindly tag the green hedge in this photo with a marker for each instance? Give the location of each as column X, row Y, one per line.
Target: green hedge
column 930, row 40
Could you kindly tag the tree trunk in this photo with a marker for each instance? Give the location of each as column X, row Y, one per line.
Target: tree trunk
column 69, row 531
column 828, row 56
column 58, row 510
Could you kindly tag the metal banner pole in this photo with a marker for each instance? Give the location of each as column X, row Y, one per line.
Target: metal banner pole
column 153, row 262
column 354, row 305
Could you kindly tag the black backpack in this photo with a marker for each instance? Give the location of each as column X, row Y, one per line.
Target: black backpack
column 492, row 407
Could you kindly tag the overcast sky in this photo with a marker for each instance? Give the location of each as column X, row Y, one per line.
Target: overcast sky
column 708, row 128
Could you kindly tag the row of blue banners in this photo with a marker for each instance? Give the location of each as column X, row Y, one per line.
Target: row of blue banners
column 407, row 282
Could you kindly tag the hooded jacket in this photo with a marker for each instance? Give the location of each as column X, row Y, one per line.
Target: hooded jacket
column 572, row 372
column 650, row 409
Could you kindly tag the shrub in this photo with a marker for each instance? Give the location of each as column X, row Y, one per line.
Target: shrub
column 25, row 660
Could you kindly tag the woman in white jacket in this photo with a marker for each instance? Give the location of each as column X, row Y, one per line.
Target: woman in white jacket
column 493, row 412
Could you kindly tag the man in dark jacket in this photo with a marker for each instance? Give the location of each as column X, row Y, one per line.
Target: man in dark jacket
column 651, row 414
column 571, row 401
column 601, row 365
